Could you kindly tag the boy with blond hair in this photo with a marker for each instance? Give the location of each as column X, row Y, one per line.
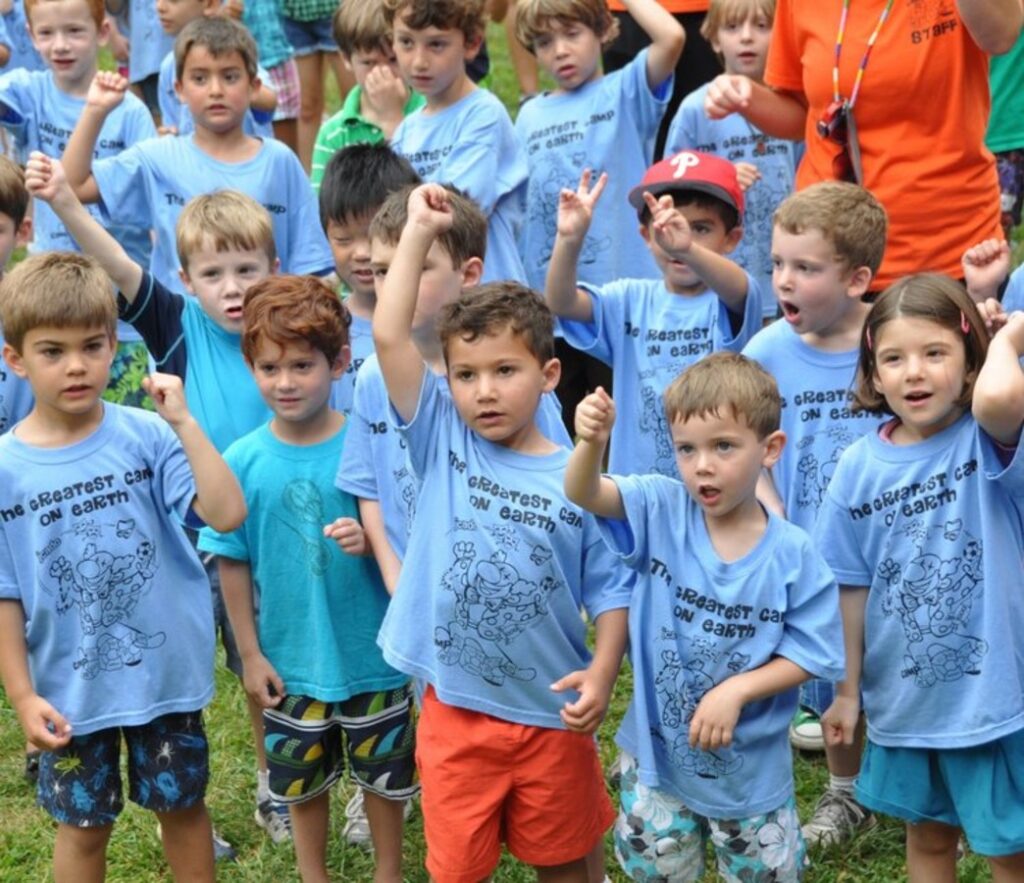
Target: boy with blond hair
column 648, row 330
column 379, row 101
column 589, row 121
column 313, row 665
column 462, row 135
column 150, row 183
column 105, row 626
column 827, row 245
column 739, row 31
column 732, row 609
column 487, row 607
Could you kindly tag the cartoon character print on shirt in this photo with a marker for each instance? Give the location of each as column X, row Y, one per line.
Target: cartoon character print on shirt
column 406, row 483
column 654, row 423
column 761, row 201
column 932, row 595
column 542, row 200
column 680, row 685
column 302, row 499
column 494, row 604
column 103, row 570
column 813, row 475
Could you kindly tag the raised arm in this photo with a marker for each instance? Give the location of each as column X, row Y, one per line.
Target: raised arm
column 998, row 403
column 106, row 92
column 45, row 180
column 667, row 38
column 219, row 501
column 401, row 365
column 993, row 24
column 775, row 112
column 584, row 483
column 986, row 266
column 671, row 231
column 575, row 210
column 839, row 722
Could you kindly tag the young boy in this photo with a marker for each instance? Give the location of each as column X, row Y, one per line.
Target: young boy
column 150, row 182
column 731, row 610
column 827, row 245
column 649, row 330
column 592, row 121
column 175, row 118
column 356, row 184
column 375, row 106
column 225, row 244
column 104, row 619
column 487, row 608
column 40, row 109
column 740, row 31
column 314, row 665
column 15, row 231
column 463, row 134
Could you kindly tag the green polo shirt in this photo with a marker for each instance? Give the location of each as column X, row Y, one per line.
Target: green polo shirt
column 349, row 126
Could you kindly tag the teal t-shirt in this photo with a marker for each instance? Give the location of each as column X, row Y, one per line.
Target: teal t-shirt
column 320, row 608
column 1006, row 80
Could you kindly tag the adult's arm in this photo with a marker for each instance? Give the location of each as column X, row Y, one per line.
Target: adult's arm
column 993, row 24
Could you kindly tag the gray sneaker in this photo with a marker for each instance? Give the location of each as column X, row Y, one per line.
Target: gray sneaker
column 837, row 818
column 274, row 818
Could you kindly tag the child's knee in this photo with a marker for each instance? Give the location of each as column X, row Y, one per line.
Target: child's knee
column 932, row 838
column 83, row 842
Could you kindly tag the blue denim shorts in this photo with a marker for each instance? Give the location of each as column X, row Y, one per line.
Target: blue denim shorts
column 168, row 768
column 308, row 37
column 978, row 789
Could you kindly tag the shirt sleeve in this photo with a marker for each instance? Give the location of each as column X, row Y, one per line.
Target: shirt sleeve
column 156, row 315
column 835, row 536
column 309, row 252
column 737, row 330
column 123, row 183
column 356, row 473
column 174, row 475
column 629, row 537
column 593, row 337
column 784, row 68
column 682, row 134
column 607, row 582
column 474, row 166
column 646, row 105
column 425, row 432
column 16, row 104
column 232, row 544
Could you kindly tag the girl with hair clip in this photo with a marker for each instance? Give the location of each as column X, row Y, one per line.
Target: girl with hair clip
column 922, row 525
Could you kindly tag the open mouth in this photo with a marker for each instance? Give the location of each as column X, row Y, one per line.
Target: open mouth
column 488, row 416
column 233, row 312
column 917, row 397
column 709, row 495
column 789, row 310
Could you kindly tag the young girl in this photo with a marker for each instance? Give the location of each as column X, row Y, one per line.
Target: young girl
column 922, row 525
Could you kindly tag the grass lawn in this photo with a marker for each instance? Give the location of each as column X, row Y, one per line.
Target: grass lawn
column 26, row 833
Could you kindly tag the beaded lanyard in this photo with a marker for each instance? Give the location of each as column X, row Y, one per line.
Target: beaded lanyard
column 867, row 52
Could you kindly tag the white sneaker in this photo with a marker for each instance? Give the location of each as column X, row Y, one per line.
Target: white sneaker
column 837, row 818
column 274, row 818
column 357, row 828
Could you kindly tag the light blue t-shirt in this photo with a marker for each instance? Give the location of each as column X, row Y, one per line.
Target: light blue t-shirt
column 606, row 125
column 23, row 53
column 735, row 139
column 696, row 620
column 149, row 183
column 816, row 388
column 15, row 395
column 1013, row 297
column 374, row 464
column 360, row 341
column 320, row 609
column 147, row 41
column 935, row 531
column 472, row 145
column 184, row 341
column 649, row 336
column 118, row 619
column 488, row 606
column 174, row 112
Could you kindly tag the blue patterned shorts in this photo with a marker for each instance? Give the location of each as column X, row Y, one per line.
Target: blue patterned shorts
column 659, row 840
column 168, row 768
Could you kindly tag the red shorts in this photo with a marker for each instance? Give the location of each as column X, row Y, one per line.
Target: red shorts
column 487, row 780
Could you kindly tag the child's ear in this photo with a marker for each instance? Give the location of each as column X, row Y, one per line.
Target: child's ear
column 858, row 281
column 472, row 271
column 552, row 370
column 345, row 60
column 732, row 239
column 773, row 446
column 185, row 280
column 341, row 362
column 472, row 47
column 14, row 361
column 103, row 32
column 275, row 267
column 645, row 233
column 23, row 235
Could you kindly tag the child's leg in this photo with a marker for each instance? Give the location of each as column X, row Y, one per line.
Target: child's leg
column 386, row 819
column 80, row 854
column 309, row 833
column 931, row 852
column 595, row 864
column 188, row 843
column 1007, row 868
column 571, row 872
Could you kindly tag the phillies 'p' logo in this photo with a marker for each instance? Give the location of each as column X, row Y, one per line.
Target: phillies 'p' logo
column 682, row 161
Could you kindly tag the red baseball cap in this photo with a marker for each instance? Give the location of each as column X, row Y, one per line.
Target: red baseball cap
column 691, row 170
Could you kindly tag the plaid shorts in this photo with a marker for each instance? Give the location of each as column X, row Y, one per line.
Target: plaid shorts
column 284, row 79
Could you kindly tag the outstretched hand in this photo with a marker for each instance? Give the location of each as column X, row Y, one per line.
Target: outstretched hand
column 595, row 416
column 727, row 93
column 576, row 207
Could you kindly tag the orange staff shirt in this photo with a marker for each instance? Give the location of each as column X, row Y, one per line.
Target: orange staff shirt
column 673, row 6
column 921, row 116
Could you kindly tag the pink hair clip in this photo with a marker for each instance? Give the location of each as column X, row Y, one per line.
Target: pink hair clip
column 965, row 326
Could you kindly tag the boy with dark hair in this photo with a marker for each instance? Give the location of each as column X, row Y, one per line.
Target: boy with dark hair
column 487, row 607
column 648, row 330
column 150, row 183
column 356, row 183
column 105, row 621
column 377, row 103
column 732, row 608
column 313, row 665
column 463, row 134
